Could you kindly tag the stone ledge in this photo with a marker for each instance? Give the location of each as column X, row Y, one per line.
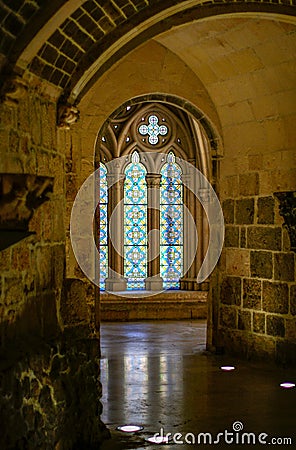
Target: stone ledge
column 163, row 306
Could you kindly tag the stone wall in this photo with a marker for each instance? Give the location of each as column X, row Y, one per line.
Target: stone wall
column 32, row 270
column 257, row 277
column 49, row 387
column 50, row 395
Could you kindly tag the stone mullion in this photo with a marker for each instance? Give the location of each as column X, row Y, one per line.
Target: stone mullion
column 115, row 212
column 205, row 231
column 188, row 281
column 153, row 281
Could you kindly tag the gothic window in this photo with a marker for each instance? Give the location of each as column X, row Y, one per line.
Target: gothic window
column 145, row 146
column 103, row 226
column 171, row 224
column 135, row 224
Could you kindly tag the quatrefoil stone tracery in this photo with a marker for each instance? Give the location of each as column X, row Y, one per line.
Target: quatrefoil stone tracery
column 153, row 130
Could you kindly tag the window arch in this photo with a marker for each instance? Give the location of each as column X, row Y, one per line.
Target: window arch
column 171, row 223
column 135, row 224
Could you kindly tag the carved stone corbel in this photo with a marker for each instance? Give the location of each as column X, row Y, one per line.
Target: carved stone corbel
column 288, row 212
column 67, row 116
column 14, row 90
column 20, row 195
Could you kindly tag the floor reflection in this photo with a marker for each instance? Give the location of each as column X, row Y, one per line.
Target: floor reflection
column 157, row 374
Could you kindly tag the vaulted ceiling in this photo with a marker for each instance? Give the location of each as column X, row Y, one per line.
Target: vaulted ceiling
column 70, row 44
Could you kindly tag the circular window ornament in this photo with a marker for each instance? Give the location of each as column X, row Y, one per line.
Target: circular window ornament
column 153, row 130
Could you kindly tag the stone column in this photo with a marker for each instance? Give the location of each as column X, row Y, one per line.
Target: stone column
column 116, row 280
column 153, row 282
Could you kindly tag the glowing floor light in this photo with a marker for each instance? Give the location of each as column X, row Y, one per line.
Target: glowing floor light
column 227, row 368
column 130, row 428
column 287, row 385
column 158, row 440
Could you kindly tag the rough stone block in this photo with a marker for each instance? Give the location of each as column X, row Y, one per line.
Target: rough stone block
column 255, row 162
column 286, row 240
column 261, row 348
column 5, row 259
column 293, row 300
column 228, row 211
column 20, row 257
column 261, row 264
column 232, row 185
column 58, row 255
column 259, row 322
column 238, row 262
column 231, row 291
column 275, row 326
column 232, row 341
column 291, row 330
column 275, row 297
column 243, row 237
column 251, row 294
column 228, row 317
column 284, row 267
column 244, row 211
column 264, row 238
column 265, row 207
column 13, row 141
column 231, row 236
column 44, row 266
column 74, row 310
column 13, row 291
column 249, row 184
column 244, row 320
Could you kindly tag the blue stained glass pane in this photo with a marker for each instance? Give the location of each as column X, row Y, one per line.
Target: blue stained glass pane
column 135, row 184
column 103, row 266
column 135, row 224
column 135, row 215
column 171, row 224
column 103, row 226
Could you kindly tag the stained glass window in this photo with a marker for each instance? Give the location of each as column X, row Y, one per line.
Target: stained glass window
column 103, row 226
column 171, row 224
column 135, row 224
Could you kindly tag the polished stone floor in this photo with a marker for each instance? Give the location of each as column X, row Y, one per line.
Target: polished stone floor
column 158, row 375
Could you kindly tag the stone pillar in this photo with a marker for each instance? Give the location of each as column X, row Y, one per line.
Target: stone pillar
column 116, row 280
column 153, row 281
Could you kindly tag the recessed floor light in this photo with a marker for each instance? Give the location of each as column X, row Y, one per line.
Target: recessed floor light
column 158, row 440
column 130, row 428
column 227, row 368
column 287, row 385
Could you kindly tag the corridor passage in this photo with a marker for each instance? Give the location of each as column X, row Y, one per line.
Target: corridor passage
column 158, row 375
